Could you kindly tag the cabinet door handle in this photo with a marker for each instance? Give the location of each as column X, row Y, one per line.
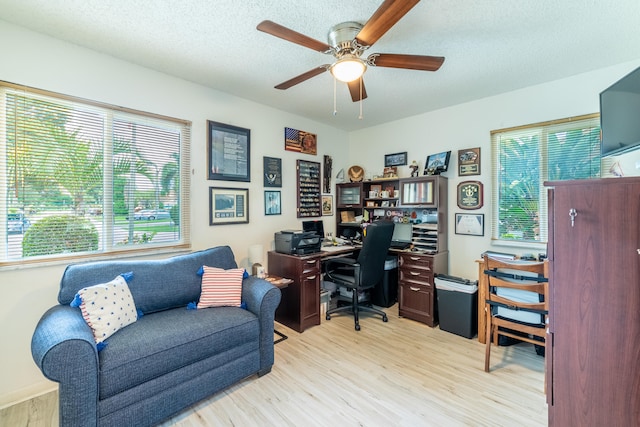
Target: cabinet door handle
column 572, row 216
column 311, row 277
column 414, row 289
column 312, row 261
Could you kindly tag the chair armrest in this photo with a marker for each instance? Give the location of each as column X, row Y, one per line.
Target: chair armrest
column 339, row 262
column 262, row 298
column 64, row 349
column 335, row 269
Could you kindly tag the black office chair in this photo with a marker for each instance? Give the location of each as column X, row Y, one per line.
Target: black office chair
column 365, row 271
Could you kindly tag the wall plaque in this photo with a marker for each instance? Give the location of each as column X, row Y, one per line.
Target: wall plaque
column 469, row 161
column 470, row 195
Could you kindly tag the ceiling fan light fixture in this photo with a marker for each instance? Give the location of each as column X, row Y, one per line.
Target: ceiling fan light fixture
column 348, row 68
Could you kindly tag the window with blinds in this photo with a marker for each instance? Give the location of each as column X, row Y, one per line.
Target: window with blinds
column 81, row 178
column 523, row 158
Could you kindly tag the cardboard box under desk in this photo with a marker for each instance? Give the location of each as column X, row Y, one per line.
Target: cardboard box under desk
column 347, row 216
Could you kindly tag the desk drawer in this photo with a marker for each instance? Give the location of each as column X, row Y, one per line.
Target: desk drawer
column 421, row 276
column 310, row 266
column 416, row 302
column 415, row 260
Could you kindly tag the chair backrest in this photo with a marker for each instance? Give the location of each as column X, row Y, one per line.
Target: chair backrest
column 517, row 289
column 374, row 252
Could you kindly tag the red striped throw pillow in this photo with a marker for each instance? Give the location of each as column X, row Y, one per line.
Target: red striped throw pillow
column 221, row 287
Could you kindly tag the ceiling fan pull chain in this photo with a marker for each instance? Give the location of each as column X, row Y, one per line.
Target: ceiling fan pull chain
column 335, row 108
column 360, row 116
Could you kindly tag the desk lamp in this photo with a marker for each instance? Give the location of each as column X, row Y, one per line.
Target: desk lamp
column 256, row 253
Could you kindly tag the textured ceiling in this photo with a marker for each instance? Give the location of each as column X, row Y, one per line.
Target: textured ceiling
column 491, row 46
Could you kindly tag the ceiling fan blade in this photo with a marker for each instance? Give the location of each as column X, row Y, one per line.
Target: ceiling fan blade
column 383, row 19
column 354, row 89
column 285, row 33
column 411, row 62
column 302, row 77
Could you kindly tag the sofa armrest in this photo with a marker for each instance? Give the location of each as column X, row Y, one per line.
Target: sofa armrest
column 64, row 349
column 262, row 299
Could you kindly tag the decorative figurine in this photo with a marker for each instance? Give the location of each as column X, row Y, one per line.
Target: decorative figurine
column 414, row 168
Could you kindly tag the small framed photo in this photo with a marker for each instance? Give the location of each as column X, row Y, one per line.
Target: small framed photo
column 396, row 159
column 470, row 224
column 228, row 205
column 272, row 203
column 327, row 205
column 437, row 163
column 228, row 152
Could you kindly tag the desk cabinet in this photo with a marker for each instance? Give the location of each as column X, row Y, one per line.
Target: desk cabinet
column 299, row 308
column 593, row 374
column 416, row 286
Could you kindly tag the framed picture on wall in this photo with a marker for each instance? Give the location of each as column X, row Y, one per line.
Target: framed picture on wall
column 469, row 161
column 228, row 152
column 228, row 205
column 396, row 159
column 470, row 224
column 272, row 171
column 272, row 203
column 327, row 205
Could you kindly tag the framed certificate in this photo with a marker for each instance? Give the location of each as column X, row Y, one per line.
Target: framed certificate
column 470, row 224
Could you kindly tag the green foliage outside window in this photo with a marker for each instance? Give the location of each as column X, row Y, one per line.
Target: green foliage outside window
column 525, row 158
column 60, row 235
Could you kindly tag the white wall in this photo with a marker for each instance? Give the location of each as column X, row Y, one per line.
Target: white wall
column 42, row 62
column 468, row 126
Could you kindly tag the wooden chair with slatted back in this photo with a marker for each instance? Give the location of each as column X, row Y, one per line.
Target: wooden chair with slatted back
column 517, row 302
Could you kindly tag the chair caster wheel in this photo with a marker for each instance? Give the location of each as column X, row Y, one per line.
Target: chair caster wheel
column 357, row 327
column 385, row 319
column 328, row 317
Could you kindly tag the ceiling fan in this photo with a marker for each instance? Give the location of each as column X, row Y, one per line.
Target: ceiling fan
column 347, row 43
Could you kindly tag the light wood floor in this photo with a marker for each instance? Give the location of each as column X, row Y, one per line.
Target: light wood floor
column 400, row 373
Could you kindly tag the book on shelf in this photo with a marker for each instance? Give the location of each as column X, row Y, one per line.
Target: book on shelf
column 499, row 255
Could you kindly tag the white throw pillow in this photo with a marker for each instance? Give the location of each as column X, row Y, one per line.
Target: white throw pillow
column 107, row 307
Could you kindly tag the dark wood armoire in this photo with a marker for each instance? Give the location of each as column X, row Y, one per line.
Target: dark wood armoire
column 593, row 347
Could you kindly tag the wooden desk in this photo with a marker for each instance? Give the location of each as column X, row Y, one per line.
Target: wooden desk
column 299, row 307
column 330, row 251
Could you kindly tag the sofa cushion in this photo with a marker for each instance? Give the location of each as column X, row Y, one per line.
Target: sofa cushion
column 221, row 287
column 106, row 307
column 157, row 284
column 162, row 342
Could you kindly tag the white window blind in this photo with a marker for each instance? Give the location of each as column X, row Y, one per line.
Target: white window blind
column 82, row 178
column 523, row 158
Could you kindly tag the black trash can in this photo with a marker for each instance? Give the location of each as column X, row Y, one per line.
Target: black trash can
column 385, row 293
column 458, row 305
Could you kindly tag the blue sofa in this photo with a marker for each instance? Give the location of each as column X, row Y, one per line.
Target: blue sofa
column 167, row 360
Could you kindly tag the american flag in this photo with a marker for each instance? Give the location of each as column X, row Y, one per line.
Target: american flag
column 291, row 139
column 291, row 134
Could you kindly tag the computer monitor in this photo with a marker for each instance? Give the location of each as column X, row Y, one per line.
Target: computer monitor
column 402, row 232
column 315, row 225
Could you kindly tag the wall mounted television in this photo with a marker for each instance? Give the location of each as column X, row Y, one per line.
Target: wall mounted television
column 620, row 115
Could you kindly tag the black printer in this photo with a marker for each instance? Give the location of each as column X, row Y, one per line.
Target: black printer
column 296, row 242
